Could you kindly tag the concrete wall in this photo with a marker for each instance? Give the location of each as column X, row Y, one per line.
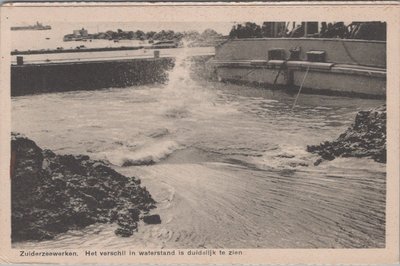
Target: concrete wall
column 252, row 75
column 341, row 83
column 339, row 51
column 353, row 67
column 337, row 81
column 90, row 75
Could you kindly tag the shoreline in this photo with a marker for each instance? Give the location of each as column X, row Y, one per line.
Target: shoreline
column 83, row 50
column 52, row 194
column 366, row 137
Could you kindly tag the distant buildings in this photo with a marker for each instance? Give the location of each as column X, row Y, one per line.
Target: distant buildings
column 77, row 35
column 81, row 33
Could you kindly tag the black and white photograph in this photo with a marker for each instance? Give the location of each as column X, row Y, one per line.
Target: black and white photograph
column 201, row 135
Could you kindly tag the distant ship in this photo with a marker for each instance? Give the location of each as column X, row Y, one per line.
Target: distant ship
column 37, row 26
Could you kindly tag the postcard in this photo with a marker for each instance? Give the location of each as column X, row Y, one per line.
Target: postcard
column 200, row 133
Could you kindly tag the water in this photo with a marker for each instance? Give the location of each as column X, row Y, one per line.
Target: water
column 226, row 164
column 51, row 39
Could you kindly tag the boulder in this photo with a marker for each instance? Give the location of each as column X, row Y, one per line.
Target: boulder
column 152, row 219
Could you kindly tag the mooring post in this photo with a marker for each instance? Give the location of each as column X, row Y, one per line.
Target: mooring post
column 20, row 60
column 301, row 86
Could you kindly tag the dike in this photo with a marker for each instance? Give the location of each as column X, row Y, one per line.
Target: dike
column 365, row 138
column 52, row 193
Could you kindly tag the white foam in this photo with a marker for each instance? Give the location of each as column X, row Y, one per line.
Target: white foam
column 285, row 156
column 183, row 97
column 149, row 153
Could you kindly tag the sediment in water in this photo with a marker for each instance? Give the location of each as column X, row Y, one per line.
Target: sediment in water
column 365, row 138
column 54, row 193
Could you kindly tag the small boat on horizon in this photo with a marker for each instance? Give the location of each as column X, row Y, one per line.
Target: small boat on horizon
column 37, row 26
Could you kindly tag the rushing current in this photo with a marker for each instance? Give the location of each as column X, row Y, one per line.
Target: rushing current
column 227, row 164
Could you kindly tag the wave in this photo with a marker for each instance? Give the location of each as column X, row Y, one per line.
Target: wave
column 177, row 112
column 147, row 154
column 285, row 156
column 158, row 133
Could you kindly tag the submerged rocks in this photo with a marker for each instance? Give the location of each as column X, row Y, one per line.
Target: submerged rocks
column 54, row 193
column 365, row 138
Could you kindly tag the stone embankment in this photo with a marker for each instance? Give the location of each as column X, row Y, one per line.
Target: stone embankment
column 54, row 193
column 365, row 138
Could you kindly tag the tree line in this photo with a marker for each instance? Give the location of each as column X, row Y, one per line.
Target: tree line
column 374, row 30
column 191, row 35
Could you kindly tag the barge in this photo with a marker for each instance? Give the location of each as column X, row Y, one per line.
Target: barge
column 327, row 66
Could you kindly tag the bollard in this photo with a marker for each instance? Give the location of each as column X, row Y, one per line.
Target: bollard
column 156, row 54
column 276, row 54
column 20, row 60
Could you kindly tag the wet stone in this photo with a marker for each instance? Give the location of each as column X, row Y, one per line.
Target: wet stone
column 365, row 138
column 123, row 232
column 152, row 219
column 52, row 193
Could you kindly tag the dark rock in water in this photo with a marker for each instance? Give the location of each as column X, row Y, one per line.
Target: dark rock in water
column 152, row 219
column 127, row 223
column 365, row 138
column 317, row 162
column 124, row 232
column 54, row 193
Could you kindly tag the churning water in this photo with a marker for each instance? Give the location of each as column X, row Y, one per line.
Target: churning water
column 226, row 164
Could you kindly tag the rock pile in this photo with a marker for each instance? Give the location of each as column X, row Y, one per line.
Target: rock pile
column 53, row 193
column 365, row 138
